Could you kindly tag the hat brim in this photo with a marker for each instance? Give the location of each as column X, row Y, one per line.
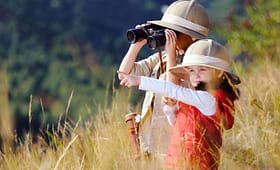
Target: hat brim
column 178, row 28
column 181, row 72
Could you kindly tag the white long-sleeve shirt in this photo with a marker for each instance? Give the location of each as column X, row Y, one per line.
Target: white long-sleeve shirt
column 203, row 100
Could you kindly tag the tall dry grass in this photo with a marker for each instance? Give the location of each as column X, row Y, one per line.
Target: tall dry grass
column 102, row 143
column 254, row 140
column 6, row 123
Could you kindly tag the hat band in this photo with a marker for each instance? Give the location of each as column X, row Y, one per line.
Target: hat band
column 207, row 61
column 173, row 19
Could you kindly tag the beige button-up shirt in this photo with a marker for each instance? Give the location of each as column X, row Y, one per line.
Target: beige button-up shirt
column 149, row 67
column 154, row 127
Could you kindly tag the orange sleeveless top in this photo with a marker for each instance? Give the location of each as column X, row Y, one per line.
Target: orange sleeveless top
column 196, row 138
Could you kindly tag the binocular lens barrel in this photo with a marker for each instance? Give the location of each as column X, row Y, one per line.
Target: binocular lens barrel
column 135, row 35
column 156, row 41
column 154, row 34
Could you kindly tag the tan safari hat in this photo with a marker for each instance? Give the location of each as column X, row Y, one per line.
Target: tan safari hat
column 187, row 17
column 209, row 53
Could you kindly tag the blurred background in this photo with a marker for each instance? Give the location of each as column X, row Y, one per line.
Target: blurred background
column 61, row 106
column 60, row 56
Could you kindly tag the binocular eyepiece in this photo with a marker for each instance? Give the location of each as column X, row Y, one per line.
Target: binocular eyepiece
column 154, row 34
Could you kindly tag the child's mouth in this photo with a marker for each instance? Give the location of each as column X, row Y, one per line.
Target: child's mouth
column 201, row 86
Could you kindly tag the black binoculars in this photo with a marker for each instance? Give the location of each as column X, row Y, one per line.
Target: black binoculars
column 154, row 34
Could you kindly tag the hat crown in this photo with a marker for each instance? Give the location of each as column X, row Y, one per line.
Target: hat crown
column 190, row 11
column 187, row 17
column 208, row 47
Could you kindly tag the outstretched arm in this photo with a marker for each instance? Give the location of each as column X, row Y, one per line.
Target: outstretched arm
column 203, row 100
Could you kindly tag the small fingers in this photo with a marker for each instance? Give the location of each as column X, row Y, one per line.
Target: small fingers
column 122, row 74
column 169, row 101
column 125, row 82
column 122, row 82
column 171, row 37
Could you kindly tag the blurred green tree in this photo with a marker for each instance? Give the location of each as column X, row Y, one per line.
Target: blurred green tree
column 254, row 32
column 52, row 49
column 44, row 56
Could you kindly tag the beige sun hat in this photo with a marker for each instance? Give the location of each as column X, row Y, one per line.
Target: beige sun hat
column 209, row 53
column 187, row 17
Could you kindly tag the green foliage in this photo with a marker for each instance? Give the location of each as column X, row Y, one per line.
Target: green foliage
column 53, row 49
column 50, row 79
column 60, row 58
column 255, row 33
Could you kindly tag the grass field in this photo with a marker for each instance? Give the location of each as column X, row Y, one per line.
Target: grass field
column 102, row 142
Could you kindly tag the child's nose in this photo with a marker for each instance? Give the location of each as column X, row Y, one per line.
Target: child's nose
column 196, row 74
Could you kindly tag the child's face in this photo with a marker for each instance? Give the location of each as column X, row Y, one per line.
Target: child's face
column 202, row 74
